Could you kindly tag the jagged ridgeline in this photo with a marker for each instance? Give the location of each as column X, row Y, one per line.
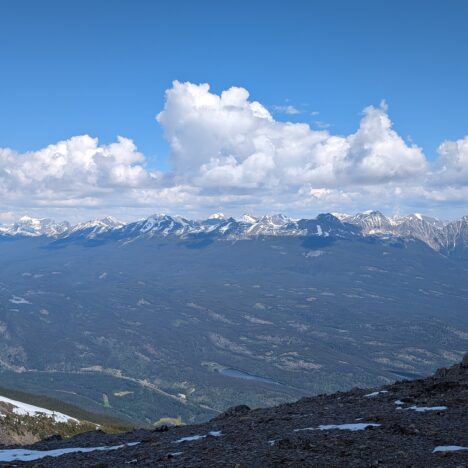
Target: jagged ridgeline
column 170, row 320
column 444, row 236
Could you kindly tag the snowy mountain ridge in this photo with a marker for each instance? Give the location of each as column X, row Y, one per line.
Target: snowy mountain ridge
column 439, row 235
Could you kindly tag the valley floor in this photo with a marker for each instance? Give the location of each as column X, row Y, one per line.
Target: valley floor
column 410, row 423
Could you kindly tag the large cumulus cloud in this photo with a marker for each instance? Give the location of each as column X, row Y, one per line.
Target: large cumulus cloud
column 75, row 166
column 229, row 141
column 229, row 152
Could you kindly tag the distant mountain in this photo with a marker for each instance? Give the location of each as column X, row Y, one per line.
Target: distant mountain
column 97, row 226
column 457, row 235
column 372, row 222
column 444, row 237
column 33, row 227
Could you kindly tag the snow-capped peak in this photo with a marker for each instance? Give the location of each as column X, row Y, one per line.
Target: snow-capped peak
column 248, row 218
column 340, row 216
column 111, row 221
column 437, row 234
column 276, row 219
column 34, row 227
column 99, row 224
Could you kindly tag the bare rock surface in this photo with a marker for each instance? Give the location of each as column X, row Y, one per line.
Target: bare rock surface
column 418, row 423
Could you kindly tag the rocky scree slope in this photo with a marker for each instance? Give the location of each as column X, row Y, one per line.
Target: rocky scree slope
column 409, row 423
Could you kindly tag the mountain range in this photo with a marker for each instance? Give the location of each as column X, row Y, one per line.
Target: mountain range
column 171, row 320
column 444, row 237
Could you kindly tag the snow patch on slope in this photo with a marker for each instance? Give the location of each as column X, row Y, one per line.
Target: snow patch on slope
column 24, row 409
column 31, row 455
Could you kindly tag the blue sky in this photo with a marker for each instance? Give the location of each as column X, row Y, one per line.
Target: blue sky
column 102, row 67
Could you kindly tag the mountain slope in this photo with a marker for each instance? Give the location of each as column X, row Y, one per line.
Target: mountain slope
column 23, row 421
column 411, row 423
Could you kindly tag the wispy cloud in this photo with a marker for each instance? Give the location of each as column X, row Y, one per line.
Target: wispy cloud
column 321, row 125
column 290, row 110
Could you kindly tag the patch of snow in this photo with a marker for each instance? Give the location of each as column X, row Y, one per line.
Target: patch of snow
column 347, row 427
column 319, row 230
column 342, row 427
column 190, row 438
column 31, row 455
column 340, row 216
column 449, row 448
column 398, row 402
column 313, row 253
column 423, row 409
column 19, row 300
column 373, row 394
column 198, row 437
column 23, row 409
column 257, row 321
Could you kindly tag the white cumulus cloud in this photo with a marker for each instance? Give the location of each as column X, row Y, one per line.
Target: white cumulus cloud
column 230, row 141
column 453, row 163
column 229, row 153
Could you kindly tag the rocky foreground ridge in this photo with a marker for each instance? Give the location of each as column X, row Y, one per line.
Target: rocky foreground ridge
column 409, row 423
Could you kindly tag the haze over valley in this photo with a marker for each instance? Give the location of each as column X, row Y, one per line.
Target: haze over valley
column 180, row 319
